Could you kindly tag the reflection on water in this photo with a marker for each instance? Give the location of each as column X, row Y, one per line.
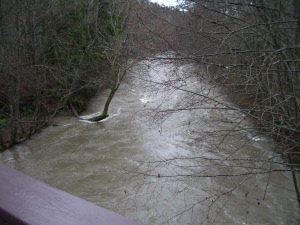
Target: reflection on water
column 157, row 166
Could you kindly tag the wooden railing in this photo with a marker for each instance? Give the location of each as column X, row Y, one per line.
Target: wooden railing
column 26, row 201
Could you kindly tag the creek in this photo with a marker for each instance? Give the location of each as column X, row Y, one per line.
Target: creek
column 195, row 165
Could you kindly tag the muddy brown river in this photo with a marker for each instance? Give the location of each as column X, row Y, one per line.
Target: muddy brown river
column 202, row 163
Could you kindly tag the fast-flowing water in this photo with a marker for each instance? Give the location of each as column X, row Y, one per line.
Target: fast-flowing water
column 196, row 165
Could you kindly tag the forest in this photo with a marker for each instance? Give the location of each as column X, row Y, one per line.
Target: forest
column 54, row 56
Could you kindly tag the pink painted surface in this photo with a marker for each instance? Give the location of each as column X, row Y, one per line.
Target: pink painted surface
column 24, row 200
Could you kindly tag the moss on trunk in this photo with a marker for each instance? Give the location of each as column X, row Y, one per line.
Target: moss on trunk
column 104, row 113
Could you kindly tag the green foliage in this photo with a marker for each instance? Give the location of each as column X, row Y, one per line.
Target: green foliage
column 78, row 101
column 90, row 92
column 27, row 110
column 4, row 122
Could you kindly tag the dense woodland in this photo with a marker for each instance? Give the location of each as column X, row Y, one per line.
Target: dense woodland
column 56, row 54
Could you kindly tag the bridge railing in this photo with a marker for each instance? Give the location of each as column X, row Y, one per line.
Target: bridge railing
column 26, row 201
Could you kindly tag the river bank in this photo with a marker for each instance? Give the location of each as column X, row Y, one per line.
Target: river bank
column 15, row 131
column 286, row 138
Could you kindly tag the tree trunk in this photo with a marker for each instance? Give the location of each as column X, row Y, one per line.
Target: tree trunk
column 297, row 17
column 104, row 113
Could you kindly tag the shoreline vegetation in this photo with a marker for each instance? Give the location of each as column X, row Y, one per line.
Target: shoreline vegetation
column 28, row 125
column 55, row 55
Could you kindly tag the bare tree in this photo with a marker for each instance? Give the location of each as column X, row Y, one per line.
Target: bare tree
column 244, row 51
column 115, row 49
column 51, row 56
